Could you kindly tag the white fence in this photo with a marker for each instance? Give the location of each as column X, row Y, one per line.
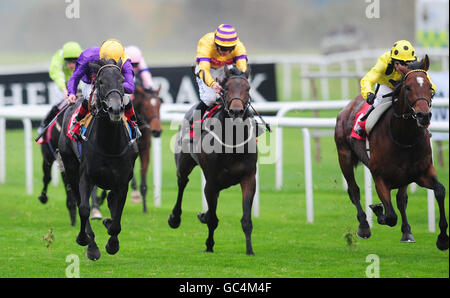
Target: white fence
column 172, row 112
column 340, row 64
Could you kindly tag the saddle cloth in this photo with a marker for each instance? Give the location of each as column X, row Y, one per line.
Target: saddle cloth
column 87, row 120
column 370, row 122
column 48, row 133
column 208, row 114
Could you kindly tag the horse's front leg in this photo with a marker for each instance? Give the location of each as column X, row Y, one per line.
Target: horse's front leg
column 210, row 217
column 86, row 235
column 47, row 169
column 248, row 186
column 430, row 181
column 402, row 201
column 116, row 202
column 384, row 193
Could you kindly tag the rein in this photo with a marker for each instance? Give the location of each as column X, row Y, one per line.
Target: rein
column 226, row 104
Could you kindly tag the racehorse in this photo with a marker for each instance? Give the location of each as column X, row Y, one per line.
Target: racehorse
column 400, row 152
column 50, row 153
column 222, row 168
column 107, row 159
column 49, row 150
column 147, row 106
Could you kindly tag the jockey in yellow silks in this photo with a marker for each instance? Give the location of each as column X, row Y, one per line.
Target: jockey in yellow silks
column 385, row 74
column 215, row 51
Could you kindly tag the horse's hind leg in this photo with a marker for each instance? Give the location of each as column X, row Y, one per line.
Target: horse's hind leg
column 47, row 168
column 248, row 186
column 430, row 181
column 185, row 164
column 402, row 201
column 145, row 158
column 346, row 164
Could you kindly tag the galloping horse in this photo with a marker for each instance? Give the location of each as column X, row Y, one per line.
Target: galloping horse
column 400, row 152
column 107, row 160
column 146, row 105
column 224, row 168
column 49, row 150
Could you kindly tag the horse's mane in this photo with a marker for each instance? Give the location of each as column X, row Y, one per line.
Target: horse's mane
column 234, row 71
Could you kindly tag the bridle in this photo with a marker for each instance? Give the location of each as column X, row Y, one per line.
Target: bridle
column 102, row 97
column 226, row 103
column 411, row 113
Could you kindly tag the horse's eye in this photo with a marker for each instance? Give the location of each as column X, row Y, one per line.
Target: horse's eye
column 408, row 88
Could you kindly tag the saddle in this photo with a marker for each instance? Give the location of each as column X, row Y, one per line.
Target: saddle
column 371, row 121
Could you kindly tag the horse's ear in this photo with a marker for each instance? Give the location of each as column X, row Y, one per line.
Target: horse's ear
column 401, row 69
column 94, row 66
column 425, row 65
column 247, row 72
column 119, row 63
column 227, row 71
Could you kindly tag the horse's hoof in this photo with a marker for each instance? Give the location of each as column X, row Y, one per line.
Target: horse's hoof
column 210, row 250
column 43, row 198
column 442, row 242
column 364, row 233
column 93, row 253
column 174, row 221
column 250, row 253
column 83, row 240
column 96, row 214
column 202, row 217
column 136, row 197
column 408, row 238
column 112, row 247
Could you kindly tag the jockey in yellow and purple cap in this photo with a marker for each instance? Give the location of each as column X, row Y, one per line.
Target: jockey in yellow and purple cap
column 384, row 74
column 216, row 50
column 110, row 49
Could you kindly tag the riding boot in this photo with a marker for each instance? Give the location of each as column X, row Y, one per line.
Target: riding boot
column 132, row 120
column 49, row 117
column 363, row 118
column 75, row 126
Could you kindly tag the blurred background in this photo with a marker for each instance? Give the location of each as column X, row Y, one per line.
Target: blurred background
column 168, row 30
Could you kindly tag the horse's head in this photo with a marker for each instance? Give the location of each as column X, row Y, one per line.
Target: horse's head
column 415, row 93
column 236, row 92
column 109, row 85
column 148, row 105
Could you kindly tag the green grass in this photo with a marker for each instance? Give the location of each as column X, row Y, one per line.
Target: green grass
column 285, row 244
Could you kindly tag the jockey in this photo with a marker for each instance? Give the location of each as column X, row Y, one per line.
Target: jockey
column 110, row 49
column 216, row 50
column 61, row 68
column 385, row 75
column 140, row 67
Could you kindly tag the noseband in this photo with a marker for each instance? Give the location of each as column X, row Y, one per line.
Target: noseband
column 226, row 104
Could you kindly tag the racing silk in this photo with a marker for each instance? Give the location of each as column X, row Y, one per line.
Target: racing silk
column 207, row 57
column 383, row 73
column 83, row 71
column 59, row 72
column 144, row 73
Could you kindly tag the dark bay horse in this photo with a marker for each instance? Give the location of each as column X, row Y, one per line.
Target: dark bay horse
column 400, row 152
column 226, row 166
column 50, row 152
column 147, row 106
column 107, row 159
